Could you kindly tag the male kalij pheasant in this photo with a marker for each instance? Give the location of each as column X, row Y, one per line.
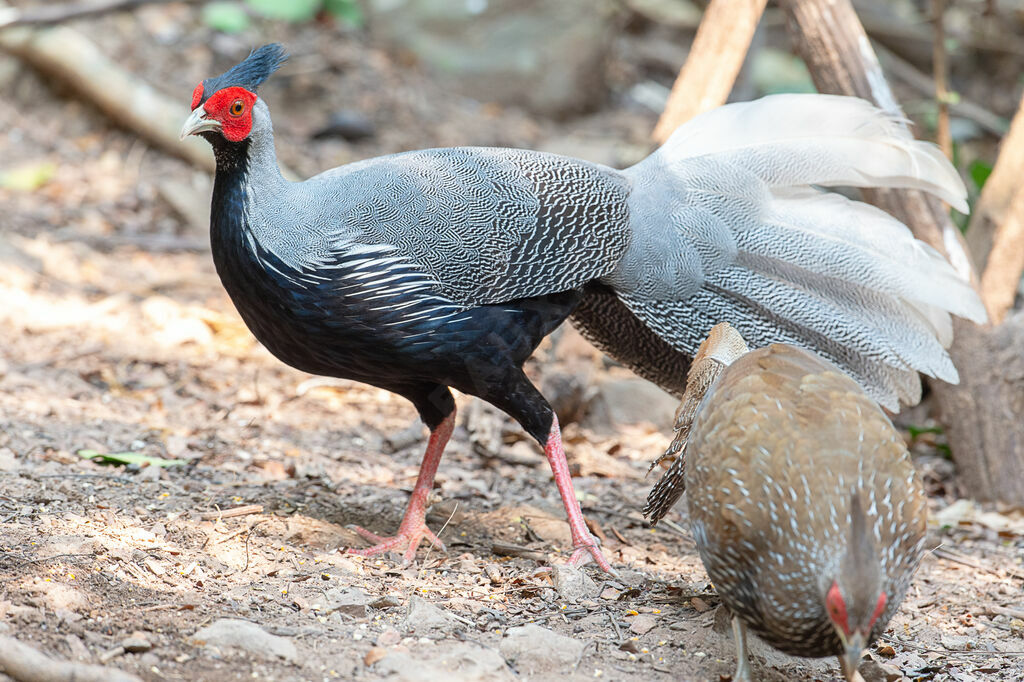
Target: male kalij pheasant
column 444, row 268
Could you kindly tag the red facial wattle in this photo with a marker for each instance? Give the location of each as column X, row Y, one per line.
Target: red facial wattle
column 837, row 608
column 233, row 108
column 197, row 96
column 879, row 608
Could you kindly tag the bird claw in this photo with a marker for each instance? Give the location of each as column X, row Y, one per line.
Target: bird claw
column 409, row 538
column 585, row 552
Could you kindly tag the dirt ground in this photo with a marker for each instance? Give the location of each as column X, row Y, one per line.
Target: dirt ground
column 115, row 335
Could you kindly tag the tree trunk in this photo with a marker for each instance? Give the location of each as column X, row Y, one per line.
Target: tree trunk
column 985, row 413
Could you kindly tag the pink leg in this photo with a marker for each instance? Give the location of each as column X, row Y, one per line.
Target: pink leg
column 413, row 528
column 583, row 542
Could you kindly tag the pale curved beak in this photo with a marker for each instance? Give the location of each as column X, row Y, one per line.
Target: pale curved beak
column 849, row 660
column 198, row 123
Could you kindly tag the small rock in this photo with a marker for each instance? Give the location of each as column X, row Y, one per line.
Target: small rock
column 389, row 637
column 610, row 593
column 699, row 604
column 494, row 574
column 423, row 617
column 349, row 601
column 137, row 643
column 643, row 624
column 572, row 584
column 464, row 662
column 873, row 671
column 8, row 462
column 241, row 634
column 388, row 601
column 630, row 401
column 373, row 655
column 533, row 649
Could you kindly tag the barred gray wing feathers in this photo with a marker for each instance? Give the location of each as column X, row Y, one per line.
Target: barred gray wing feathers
column 487, row 225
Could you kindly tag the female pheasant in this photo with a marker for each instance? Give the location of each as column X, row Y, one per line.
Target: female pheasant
column 806, row 509
column 445, row 268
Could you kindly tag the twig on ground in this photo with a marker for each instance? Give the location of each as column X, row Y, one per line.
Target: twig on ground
column 22, row 663
column 244, row 510
column 715, row 59
column 940, row 553
column 615, row 625
column 155, row 243
column 1003, row 611
column 502, row 549
column 72, row 59
column 55, row 14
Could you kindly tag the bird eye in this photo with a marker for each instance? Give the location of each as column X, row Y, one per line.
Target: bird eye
column 237, row 107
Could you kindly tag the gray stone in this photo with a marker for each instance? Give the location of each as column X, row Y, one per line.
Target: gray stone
column 874, row 671
column 8, row 460
column 572, row 584
column 547, row 56
column 349, row 601
column 136, row 644
column 422, row 618
column 630, row 401
column 241, row 634
column 643, row 624
column 533, row 649
column 463, row 662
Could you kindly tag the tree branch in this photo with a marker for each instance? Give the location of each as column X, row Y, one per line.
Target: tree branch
column 716, row 56
column 55, row 14
column 22, row 663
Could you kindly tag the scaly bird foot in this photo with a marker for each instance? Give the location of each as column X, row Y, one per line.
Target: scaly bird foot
column 587, row 551
column 408, row 537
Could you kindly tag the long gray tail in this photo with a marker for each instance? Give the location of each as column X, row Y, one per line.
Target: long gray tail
column 729, row 225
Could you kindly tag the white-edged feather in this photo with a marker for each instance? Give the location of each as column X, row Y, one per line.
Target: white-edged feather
column 783, row 260
column 827, row 140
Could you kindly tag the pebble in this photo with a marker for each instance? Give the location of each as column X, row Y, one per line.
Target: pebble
column 643, row 624
column 241, row 634
column 572, row 584
column 422, row 617
column 136, row 644
column 348, row 601
column 534, row 649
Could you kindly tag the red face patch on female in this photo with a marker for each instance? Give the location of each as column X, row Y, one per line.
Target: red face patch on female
column 232, row 107
column 836, row 606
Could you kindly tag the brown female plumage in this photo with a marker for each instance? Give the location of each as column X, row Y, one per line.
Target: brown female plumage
column 805, row 506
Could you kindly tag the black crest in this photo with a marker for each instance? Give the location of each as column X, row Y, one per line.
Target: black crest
column 250, row 72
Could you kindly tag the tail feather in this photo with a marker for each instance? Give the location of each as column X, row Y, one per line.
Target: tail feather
column 863, row 319
column 683, row 323
column 835, row 230
column 826, row 140
column 783, row 261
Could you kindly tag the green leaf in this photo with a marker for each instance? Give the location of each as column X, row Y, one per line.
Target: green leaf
column 979, row 172
column 916, row 431
column 28, row 177
column 349, row 12
column 226, row 17
column 129, row 458
column 295, row 11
